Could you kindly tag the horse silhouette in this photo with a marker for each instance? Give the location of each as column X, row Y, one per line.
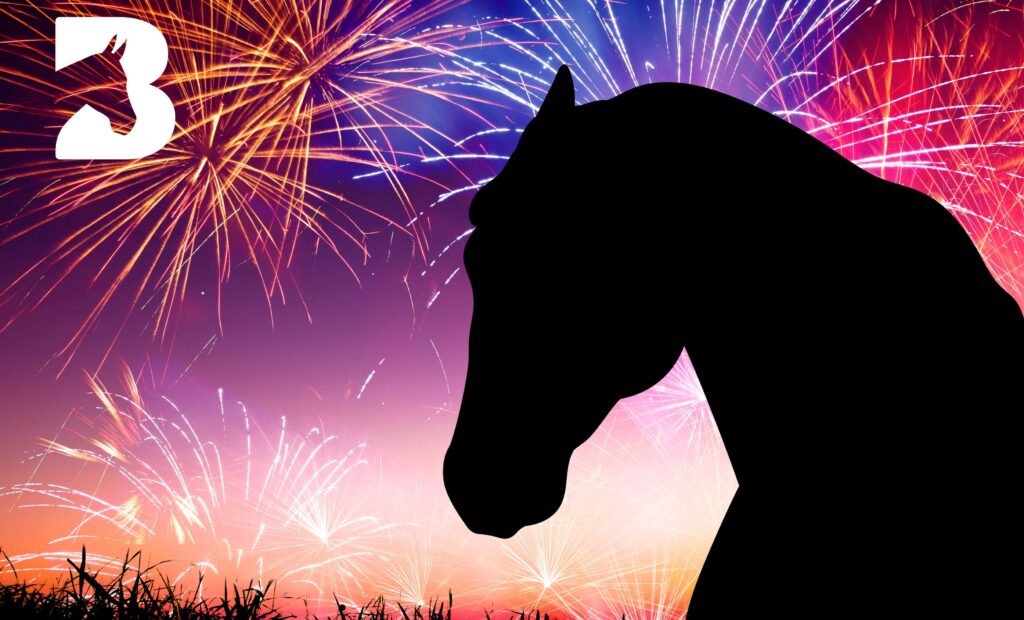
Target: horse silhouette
column 860, row 360
column 98, row 81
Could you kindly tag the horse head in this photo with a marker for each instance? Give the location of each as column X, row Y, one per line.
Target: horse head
column 567, row 318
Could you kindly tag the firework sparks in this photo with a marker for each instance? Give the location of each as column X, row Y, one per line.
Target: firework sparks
column 297, row 513
column 261, row 92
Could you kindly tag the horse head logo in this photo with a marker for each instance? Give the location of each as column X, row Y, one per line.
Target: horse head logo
column 139, row 51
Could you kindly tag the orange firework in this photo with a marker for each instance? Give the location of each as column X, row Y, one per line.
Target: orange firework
column 260, row 92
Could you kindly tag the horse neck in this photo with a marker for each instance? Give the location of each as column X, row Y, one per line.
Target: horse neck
column 745, row 341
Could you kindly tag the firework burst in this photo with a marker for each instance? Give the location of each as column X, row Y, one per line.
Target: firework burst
column 931, row 101
column 261, row 92
column 294, row 509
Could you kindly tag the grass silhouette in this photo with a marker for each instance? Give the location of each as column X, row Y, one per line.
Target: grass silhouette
column 138, row 593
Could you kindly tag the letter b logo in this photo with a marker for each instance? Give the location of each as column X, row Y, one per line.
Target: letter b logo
column 87, row 135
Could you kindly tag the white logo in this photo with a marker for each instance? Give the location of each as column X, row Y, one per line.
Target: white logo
column 87, row 135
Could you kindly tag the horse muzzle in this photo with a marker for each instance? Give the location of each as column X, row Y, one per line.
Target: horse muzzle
column 498, row 492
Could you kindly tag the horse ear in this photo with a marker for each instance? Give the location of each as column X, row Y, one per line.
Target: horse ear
column 561, row 95
column 116, row 48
